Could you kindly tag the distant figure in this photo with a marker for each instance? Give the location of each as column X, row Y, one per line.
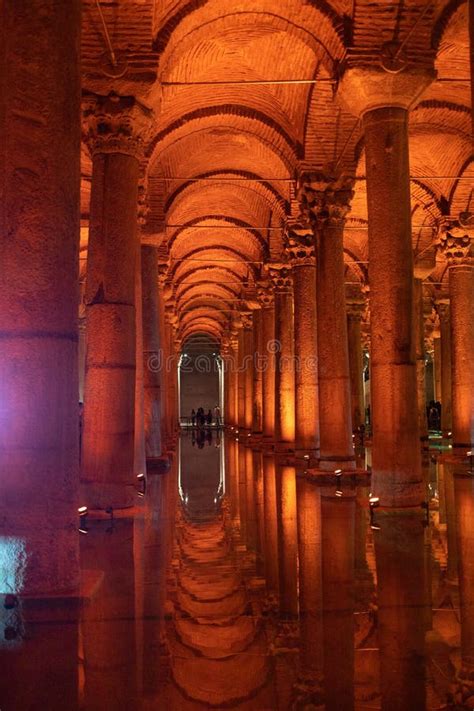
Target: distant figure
column 209, row 418
column 193, row 417
column 217, row 415
column 201, row 417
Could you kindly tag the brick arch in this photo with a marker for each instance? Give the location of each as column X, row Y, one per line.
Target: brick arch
column 215, row 220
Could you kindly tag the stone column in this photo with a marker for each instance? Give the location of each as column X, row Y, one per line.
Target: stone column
column 437, row 365
column 355, row 310
column 456, row 242
column 241, row 375
column 446, row 380
column 151, row 352
column 326, row 201
column 139, row 428
column 39, row 219
column 283, row 347
column 301, row 251
column 419, row 337
column 234, row 378
column 247, row 373
column 82, row 341
column 258, row 368
column 115, row 130
column 464, row 493
column 382, row 99
column 266, row 299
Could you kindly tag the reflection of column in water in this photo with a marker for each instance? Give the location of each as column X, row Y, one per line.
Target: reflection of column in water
column 271, row 526
column 399, row 551
column 39, row 655
column 338, row 599
column 108, row 625
column 452, row 570
column 234, row 492
column 251, row 505
column 310, row 580
column 258, row 473
column 242, row 492
column 287, row 537
column 464, row 492
column 363, row 575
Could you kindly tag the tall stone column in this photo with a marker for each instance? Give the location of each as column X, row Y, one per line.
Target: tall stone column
column 326, row 201
column 382, row 99
column 456, row 242
column 287, row 538
column 115, row 130
column 234, row 378
column 302, row 255
column 283, row 348
column 446, row 372
column 419, row 337
column 39, row 225
column 139, row 428
column 266, row 299
column 241, row 376
column 271, row 525
column 257, row 374
column 151, row 351
column 247, row 369
column 355, row 309
column 437, row 364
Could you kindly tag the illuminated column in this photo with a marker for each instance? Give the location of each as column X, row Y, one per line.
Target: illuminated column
column 251, row 501
column 301, row 251
column 266, row 298
column 337, row 538
column 234, row 378
column 151, row 351
column 382, row 99
column 247, row 365
column 310, row 583
column 399, row 551
column 464, row 488
column 271, row 525
column 355, row 311
column 450, row 505
column 139, row 428
column 241, row 375
column 115, row 129
column 456, row 242
column 260, row 509
column 164, row 374
column 226, row 357
column 257, row 373
column 287, row 538
column 419, row 337
column 437, row 364
column 446, row 379
column 82, row 341
column 283, row 347
column 39, row 217
column 326, row 201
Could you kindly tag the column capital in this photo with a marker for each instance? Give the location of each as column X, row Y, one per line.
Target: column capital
column 365, row 88
column 443, row 309
column 299, row 245
column 281, row 277
column 456, row 240
column 117, row 124
column 325, row 199
column 265, row 295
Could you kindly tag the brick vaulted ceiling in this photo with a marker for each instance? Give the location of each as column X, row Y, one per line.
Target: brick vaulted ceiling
column 234, row 129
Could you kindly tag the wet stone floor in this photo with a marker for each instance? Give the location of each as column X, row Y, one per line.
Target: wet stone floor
column 238, row 582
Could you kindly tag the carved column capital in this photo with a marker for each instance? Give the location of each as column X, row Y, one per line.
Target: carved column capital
column 456, row 240
column 325, row 200
column 443, row 309
column 299, row 245
column 355, row 310
column 281, row 278
column 265, row 295
column 117, row 124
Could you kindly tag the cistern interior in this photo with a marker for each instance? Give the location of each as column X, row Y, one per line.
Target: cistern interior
column 236, row 355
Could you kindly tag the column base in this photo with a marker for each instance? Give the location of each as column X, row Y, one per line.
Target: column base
column 98, row 495
column 284, row 448
column 330, row 464
column 308, row 457
column 325, row 477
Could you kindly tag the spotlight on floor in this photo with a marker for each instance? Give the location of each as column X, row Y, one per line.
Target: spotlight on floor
column 83, row 513
column 141, row 480
column 306, row 456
